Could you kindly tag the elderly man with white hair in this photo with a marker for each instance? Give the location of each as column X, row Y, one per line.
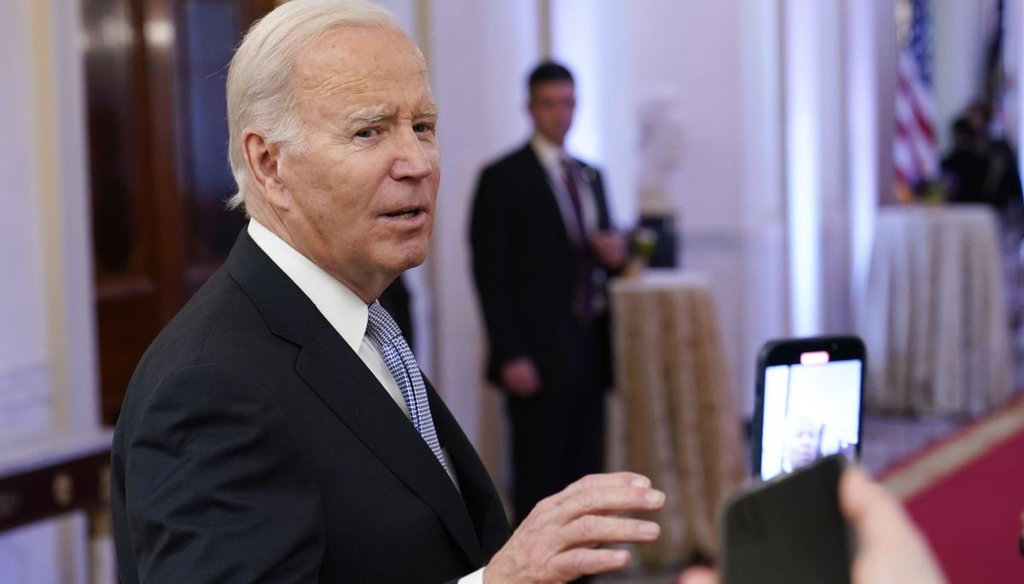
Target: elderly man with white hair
column 279, row 430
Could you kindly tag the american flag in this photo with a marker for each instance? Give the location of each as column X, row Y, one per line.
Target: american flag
column 915, row 147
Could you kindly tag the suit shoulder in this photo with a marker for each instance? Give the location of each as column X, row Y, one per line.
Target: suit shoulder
column 509, row 161
column 588, row 166
column 219, row 315
column 205, row 312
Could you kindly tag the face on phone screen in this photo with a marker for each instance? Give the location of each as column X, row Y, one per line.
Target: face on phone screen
column 811, row 410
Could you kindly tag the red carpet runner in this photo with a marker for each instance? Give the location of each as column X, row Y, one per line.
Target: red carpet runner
column 967, row 495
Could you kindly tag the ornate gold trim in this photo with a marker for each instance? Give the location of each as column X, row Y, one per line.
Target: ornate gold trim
column 63, row 489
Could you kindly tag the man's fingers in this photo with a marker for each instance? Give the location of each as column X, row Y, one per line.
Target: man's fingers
column 537, row 563
column 699, row 575
column 602, row 481
column 561, row 538
column 613, row 500
column 558, row 511
column 599, row 494
column 891, row 547
column 590, row 530
column 584, row 561
column 853, row 490
column 586, row 486
column 862, row 499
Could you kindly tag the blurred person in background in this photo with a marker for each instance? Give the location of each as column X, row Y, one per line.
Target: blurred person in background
column 543, row 249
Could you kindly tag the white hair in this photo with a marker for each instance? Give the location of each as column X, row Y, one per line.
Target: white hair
column 258, row 90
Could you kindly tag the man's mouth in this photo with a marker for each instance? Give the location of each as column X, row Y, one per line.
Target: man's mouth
column 409, row 213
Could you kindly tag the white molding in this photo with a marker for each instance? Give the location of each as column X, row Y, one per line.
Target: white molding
column 70, row 282
column 26, row 401
column 715, row 240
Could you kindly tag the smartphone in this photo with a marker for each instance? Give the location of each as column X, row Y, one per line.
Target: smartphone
column 788, row 530
column 809, row 402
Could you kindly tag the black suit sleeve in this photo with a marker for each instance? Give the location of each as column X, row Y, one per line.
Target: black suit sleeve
column 217, row 491
column 492, row 237
column 597, row 184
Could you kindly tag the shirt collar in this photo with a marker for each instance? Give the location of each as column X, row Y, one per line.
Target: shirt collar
column 549, row 153
column 344, row 309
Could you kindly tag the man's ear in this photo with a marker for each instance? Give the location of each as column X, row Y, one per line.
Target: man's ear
column 264, row 161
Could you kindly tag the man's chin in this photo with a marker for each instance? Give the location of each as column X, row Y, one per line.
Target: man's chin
column 410, row 260
column 397, row 256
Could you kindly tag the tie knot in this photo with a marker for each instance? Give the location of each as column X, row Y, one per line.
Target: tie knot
column 380, row 326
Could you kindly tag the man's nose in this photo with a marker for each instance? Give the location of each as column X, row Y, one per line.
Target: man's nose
column 412, row 158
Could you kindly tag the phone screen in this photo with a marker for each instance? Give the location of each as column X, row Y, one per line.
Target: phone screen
column 810, row 405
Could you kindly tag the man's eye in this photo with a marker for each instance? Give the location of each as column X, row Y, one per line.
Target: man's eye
column 423, row 128
column 366, row 133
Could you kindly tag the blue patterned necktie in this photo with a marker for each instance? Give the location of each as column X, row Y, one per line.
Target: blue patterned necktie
column 398, row 357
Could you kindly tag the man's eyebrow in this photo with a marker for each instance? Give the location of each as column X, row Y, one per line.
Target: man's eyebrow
column 371, row 116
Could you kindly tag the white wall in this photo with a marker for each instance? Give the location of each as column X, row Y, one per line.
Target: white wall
column 47, row 357
column 25, row 395
column 1014, row 68
column 24, row 359
column 480, row 54
column 870, row 61
column 591, row 39
column 764, row 304
column 962, row 31
column 690, row 54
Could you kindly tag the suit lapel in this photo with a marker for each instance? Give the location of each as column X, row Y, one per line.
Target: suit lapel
column 539, row 183
column 593, row 178
column 538, row 186
column 332, row 370
column 478, row 492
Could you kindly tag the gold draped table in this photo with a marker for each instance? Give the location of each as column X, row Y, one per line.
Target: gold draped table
column 677, row 421
column 934, row 318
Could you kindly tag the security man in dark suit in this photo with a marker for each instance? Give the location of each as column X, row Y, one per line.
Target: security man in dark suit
column 543, row 250
column 278, row 429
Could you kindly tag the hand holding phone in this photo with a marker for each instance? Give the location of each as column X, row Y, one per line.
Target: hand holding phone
column 788, row 530
column 889, row 546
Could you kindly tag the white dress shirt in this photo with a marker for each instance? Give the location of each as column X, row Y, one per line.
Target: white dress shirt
column 551, row 156
column 346, row 312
